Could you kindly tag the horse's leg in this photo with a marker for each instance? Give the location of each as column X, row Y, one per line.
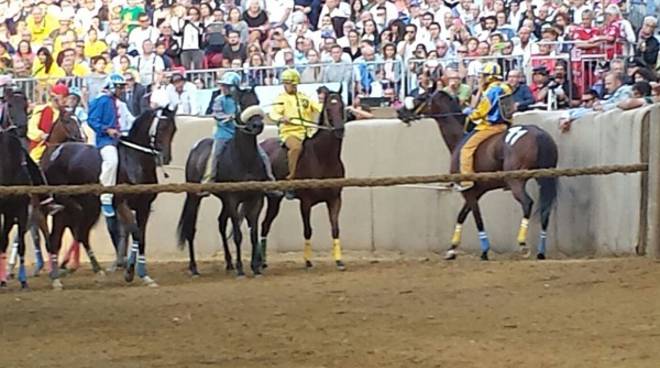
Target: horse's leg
column 22, row 228
column 4, row 239
column 118, row 242
column 40, row 226
column 192, row 264
column 13, row 257
column 305, row 212
column 334, row 206
column 55, row 244
column 142, row 219
column 271, row 212
column 483, row 237
column 82, row 236
column 252, row 216
column 458, row 231
column 238, row 238
column 520, row 194
column 222, row 228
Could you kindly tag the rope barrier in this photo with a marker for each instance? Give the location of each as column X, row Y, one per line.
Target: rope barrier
column 318, row 183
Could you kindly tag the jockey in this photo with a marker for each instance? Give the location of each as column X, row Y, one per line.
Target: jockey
column 43, row 118
column 487, row 117
column 34, row 172
column 225, row 108
column 291, row 111
column 73, row 105
column 109, row 118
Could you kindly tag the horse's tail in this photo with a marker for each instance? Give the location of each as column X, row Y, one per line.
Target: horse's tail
column 546, row 158
column 188, row 220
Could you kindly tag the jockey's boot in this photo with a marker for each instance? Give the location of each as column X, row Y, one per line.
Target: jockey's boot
column 463, row 186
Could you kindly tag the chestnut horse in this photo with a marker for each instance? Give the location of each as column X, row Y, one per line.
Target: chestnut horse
column 521, row 147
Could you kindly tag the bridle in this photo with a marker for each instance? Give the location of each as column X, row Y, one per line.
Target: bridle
column 417, row 112
column 153, row 135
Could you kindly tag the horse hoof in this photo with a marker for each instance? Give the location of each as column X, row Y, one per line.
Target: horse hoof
column 484, row 256
column 524, row 251
column 340, row 265
column 36, row 271
column 194, row 274
column 100, row 276
column 308, row 264
column 149, row 282
column 264, row 266
column 129, row 274
column 3, row 285
column 24, row 286
column 540, row 256
column 240, row 275
column 57, row 285
column 450, row 255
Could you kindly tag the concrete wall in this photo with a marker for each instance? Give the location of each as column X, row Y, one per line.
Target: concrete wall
column 594, row 215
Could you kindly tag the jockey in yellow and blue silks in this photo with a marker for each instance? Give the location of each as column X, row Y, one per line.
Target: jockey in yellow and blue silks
column 291, row 111
column 225, row 107
column 487, row 116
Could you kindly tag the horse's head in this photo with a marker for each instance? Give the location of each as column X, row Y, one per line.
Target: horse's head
column 17, row 106
column 161, row 132
column 65, row 129
column 334, row 113
column 250, row 119
column 432, row 103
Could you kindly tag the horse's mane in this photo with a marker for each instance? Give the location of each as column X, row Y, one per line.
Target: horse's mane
column 454, row 105
column 147, row 116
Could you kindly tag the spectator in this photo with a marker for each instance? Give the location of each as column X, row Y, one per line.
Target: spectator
column 588, row 98
column 172, row 47
column 182, row 96
column 455, row 88
column 94, row 82
column 191, row 40
column 522, row 95
column 353, row 49
column 168, row 63
column 565, row 92
column 366, row 70
column 134, row 95
column 392, row 68
column 314, row 72
column 40, row 25
column 358, row 111
column 233, row 49
column 618, row 92
column 424, row 84
column 93, row 46
column 149, row 65
column 337, row 69
column 236, row 23
column 145, row 32
column 641, row 96
column 390, row 94
column 256, row 19
column 648, row 46
column 539, row 83
column 407, row 47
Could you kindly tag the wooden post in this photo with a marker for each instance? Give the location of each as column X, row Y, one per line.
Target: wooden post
column 653, row 223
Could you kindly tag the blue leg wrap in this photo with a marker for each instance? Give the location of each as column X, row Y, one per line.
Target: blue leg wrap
column 141, row 266
column 132, row 255
column 542, row 242
column 483, row 240
column 22, row 275
column 39, row 258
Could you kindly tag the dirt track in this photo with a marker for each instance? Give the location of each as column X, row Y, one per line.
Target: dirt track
column 391, row 313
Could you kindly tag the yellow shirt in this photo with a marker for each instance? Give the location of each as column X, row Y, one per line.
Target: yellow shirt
column 96, row 48
column 299, row 109
column 80, row 70
column 39, row 71
column 35, row 134
column 42, row 30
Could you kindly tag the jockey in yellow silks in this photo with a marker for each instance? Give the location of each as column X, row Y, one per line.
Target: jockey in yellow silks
column 292, row 110
column 487, row 116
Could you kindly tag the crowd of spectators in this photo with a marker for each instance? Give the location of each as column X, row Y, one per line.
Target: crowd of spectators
column 556, row 52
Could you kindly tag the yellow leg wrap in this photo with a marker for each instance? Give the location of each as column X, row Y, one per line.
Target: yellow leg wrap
column 456, row 238
column 522, row 232
column 307, row 251
column 336, row 249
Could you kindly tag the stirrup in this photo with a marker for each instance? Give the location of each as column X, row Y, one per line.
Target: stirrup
column 463, row 186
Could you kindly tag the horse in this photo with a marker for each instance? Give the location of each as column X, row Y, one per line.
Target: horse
column 147, row 145
column 238, row 161
column 521, row 147
column 64, row 129
column 14, row 209
column 320, row 159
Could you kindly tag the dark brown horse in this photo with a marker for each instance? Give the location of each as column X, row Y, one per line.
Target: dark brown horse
column 14, row 209
column 320, row 159
column 521, row 147
column 147, row 145
column 238, row 160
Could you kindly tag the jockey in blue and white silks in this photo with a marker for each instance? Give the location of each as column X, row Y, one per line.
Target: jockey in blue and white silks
column 109, row 118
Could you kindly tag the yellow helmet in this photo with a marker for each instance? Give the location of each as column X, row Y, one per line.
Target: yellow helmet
column 291, row 76
column 492, row 70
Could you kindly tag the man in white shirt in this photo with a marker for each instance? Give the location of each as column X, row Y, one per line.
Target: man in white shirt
column 391, row 11
column 336, row 8
column 181, row 95
column 406, row 48
column 278, row 12
column 144, row 32
column 148, row 64
column 87, row 11
column 347, row 27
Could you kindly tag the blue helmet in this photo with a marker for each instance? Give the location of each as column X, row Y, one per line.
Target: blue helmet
column 75, row 91
column 230, row 79
column 114, row 80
